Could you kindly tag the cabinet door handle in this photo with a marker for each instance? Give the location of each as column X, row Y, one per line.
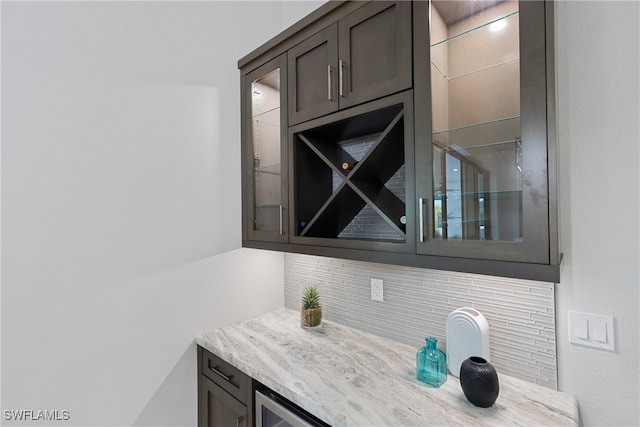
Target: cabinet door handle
column 341, row 76
column 225, row 377
column 329, row 81
column 240, row 421
column 281, row 209
column 421, row 218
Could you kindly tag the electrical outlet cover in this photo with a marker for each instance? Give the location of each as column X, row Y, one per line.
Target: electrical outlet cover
column 377, row 290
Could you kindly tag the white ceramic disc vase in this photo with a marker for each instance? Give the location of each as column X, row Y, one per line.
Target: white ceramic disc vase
column 467, row 335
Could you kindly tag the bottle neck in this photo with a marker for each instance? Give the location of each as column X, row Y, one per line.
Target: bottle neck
column 432, row 343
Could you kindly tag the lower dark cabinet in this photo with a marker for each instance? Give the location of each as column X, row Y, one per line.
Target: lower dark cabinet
column 220, row 408
column 225, row 394
column 227, row 397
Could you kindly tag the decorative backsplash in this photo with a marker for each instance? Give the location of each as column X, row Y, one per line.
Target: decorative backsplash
column 417, row 302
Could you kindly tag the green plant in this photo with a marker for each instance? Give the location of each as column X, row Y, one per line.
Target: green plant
column 310, row 298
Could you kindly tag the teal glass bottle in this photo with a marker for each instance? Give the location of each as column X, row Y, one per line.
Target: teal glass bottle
column 431, row 364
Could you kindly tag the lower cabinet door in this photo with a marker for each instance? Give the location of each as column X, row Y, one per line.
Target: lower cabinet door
column 217, row 408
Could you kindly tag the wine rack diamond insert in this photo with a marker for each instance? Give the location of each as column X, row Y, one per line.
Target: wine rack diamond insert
column 349, row 178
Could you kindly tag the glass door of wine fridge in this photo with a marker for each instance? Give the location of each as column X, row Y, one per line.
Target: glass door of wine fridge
column 273, row 410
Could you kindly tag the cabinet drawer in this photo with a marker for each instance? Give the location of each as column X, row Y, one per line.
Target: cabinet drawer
column 227, row 376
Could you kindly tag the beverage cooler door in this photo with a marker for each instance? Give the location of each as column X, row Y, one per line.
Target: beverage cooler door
column 275, row 411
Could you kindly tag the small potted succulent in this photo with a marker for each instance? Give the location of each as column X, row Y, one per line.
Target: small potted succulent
column 311, row 311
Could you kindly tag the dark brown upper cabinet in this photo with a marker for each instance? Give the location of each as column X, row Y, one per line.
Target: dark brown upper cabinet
column 264, row 166
column 313, row 64
column 409, row 133
column 482, row 157
column 352, row 177
column 374, row 52
column 361, row 57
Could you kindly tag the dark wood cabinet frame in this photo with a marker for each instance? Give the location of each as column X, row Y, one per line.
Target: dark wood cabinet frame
column 544, row 259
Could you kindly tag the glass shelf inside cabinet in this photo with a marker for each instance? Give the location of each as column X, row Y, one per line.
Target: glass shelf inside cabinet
column 267, row 180
column 467, row 22
column 476, row 135
column 350, row 181
column 479, row 135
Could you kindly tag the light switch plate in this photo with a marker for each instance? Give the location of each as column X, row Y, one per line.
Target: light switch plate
column 592, row 330
column 376, row 290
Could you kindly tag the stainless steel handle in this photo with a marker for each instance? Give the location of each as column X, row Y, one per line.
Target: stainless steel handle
column 341, row 76
column 421, row 218
column 329, row 80
column 281, row 224
column 240, row 421
column 225, row 377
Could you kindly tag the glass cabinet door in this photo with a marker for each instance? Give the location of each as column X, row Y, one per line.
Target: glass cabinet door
column 485, row 147
column 265, row 98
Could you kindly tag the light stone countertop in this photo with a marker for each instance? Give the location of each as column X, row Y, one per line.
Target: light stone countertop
column 347, row 377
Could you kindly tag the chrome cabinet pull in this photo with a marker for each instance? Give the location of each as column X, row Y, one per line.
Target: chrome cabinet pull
column 341, row 76
column 225, row 377
column 281, row 216
column 329, row 80
column 421, row 218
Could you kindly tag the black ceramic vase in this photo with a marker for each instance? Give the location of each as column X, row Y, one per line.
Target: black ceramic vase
column 479, row 381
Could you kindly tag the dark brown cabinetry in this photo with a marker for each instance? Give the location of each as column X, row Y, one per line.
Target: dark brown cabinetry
column 481, row 98
column 313, row 64
column 225, row 394
column 363, row 56
column 374, row 51
column 413, row 133
column 348, row 177
column 221, row 409
column 264, row 166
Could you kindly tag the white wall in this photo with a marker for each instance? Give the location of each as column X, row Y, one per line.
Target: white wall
column 597, row 49
column 294, row 10
column 121, row 203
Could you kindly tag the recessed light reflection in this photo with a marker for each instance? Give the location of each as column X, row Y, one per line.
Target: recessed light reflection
column 498, row 25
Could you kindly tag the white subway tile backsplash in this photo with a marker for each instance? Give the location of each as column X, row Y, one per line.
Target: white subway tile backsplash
column 417, row 301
